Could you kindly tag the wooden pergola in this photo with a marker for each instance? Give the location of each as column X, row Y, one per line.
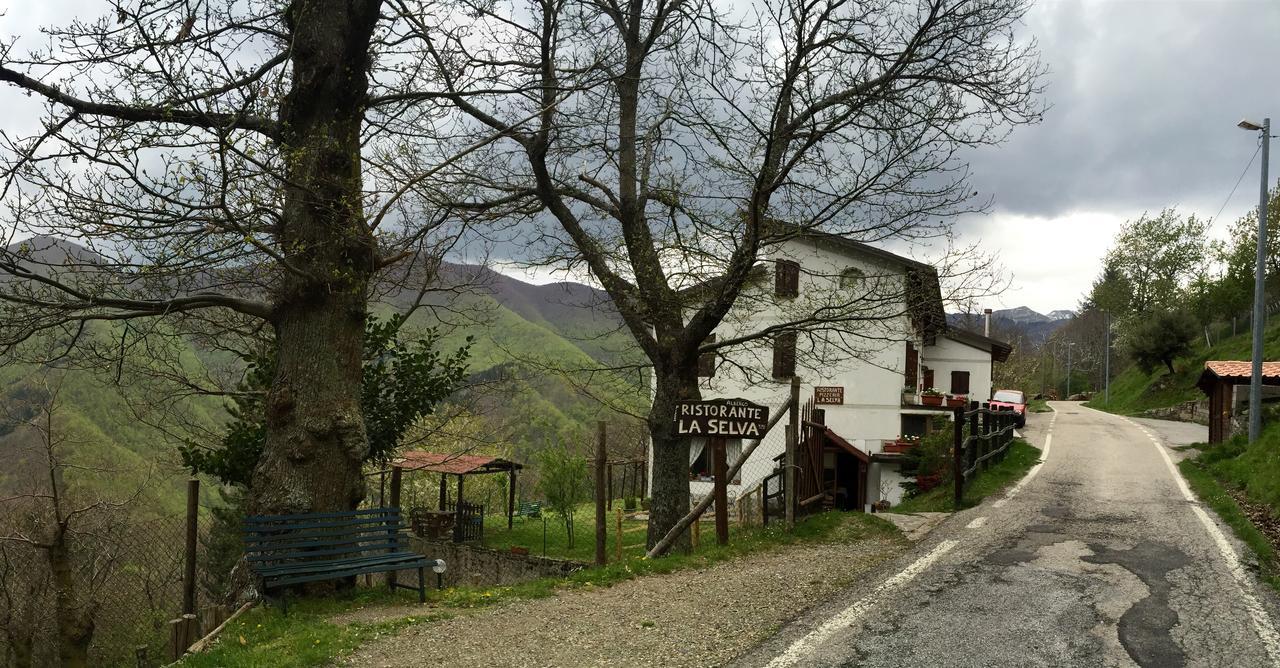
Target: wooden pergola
column 1219, row 380
column 461, row 466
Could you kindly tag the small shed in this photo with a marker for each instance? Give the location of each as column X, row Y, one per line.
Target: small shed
column 1219, row 381
column 461, row 466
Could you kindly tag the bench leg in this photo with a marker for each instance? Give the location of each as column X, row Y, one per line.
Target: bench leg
column 422, row 584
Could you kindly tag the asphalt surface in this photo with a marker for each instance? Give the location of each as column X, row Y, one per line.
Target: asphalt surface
column 1099, row 558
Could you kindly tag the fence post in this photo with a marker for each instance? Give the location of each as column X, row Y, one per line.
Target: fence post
column 617, row 538
column 397, row 476
column 986, row 435
column 608, row 484
column 975, row 434
column 601, row 525
column 189, row 575
column 793, row 444
column 720, row 470
column 957, row 456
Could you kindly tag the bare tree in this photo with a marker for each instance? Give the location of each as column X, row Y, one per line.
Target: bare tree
column 67, row 530
column 253, row 169
column 658, row 143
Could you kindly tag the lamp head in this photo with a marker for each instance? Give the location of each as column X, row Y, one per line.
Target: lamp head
column 1246, row 124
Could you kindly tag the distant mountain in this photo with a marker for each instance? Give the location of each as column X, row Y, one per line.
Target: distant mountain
column 1015, row 324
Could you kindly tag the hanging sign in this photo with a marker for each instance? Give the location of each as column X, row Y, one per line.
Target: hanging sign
column 831, row 395
column 730, row 418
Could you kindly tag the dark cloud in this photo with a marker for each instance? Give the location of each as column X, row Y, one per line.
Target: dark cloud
column 1145, row 97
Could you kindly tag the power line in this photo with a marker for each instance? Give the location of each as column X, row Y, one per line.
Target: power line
column 1237, row 185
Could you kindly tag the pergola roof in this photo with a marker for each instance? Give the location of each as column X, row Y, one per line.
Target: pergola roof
column 1236, row 372
column 418, row 460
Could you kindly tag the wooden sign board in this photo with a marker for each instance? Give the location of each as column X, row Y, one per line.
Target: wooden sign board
column 831, row 395
column 724, row 418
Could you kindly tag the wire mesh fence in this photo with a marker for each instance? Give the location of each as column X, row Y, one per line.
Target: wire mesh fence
column 111, row 587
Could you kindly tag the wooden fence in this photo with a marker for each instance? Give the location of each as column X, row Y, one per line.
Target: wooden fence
column 982, row 436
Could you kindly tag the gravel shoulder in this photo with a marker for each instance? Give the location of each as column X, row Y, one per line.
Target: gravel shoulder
column 702, row 617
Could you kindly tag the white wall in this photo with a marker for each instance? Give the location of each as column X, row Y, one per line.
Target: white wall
column 947, row 355
column 869, row 362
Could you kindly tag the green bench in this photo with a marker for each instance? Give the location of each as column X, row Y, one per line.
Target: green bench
column 529, row 509
column 286, row 550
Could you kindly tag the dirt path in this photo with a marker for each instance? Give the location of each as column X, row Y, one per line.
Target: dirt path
column 689, row 618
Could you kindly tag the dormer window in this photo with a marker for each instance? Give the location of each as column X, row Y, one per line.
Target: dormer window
column 786, row 279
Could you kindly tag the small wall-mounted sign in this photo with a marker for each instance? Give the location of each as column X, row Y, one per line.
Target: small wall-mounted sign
column 729, row 418
column 831, row 395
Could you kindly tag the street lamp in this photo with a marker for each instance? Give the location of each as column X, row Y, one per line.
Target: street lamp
column 1259, row 283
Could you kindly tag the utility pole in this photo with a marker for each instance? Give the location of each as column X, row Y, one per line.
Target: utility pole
column 1069, row 347
column 1259, row 285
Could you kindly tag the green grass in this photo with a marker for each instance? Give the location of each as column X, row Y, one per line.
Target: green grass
column 1134, row 391
column 528, row 533
column 1251, row 469
column 1017, row 462
column 1213, row 494
column 307, row 637
column 264, row 637
column 1039, row 406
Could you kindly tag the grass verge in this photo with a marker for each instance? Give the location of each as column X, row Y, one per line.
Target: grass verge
column 1215, row 495
column 1039, row 406
column 1021, row 457
column 307, row 637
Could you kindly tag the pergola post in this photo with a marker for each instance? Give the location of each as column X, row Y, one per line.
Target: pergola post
column 511, row 498
column 444, row 493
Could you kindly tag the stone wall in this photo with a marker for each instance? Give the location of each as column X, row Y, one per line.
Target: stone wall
column 1187, row 411
column 472, row 565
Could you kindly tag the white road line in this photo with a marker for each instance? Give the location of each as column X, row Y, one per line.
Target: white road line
column 850, row 615
column 1261, row 620
column 976, row 523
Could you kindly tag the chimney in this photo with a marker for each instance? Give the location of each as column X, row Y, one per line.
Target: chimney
column 986, row 322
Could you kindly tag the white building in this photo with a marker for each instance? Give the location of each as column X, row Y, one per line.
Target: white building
column 884, row 338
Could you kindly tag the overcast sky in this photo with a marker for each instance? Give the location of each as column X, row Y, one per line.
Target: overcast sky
column 1145, row 96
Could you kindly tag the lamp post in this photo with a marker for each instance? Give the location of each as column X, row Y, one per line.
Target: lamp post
column 1069, row 347
column 1259, row 284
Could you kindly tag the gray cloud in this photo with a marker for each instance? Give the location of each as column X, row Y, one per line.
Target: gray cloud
column 1145, row 99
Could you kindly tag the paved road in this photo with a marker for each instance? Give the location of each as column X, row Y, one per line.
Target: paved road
column 1098, row 559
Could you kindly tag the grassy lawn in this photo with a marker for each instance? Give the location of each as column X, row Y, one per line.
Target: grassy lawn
column 306, row 637
column 529, row 533
column 1039, row 406
column 1017, row 462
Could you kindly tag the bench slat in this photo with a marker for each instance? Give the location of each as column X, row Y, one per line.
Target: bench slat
column 276, row 528
column 285, row 539
column 392, row 559
column 285, row 581
column 388, row 510
column 324, row 552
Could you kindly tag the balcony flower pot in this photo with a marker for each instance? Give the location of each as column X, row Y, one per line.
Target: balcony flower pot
column 931, row 399
column 957, row 402
column 898, row 446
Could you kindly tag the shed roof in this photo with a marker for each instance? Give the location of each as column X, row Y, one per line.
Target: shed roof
column 1236, row 372
column 418, row 460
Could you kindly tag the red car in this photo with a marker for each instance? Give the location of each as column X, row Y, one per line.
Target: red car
column 1014, row 399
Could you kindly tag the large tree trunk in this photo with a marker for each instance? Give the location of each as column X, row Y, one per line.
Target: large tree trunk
column 670, row 484
column 74, row 621
column 316, row 438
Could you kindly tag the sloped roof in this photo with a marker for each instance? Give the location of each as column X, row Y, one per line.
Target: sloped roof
column 999, row 349
column 418, row 460
column 1238, row 372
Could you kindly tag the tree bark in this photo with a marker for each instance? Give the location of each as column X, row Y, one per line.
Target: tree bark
column 316, row 437
column 74, row 621
column 670, row 483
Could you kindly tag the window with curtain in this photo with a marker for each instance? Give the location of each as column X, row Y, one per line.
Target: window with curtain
column 700, row 464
